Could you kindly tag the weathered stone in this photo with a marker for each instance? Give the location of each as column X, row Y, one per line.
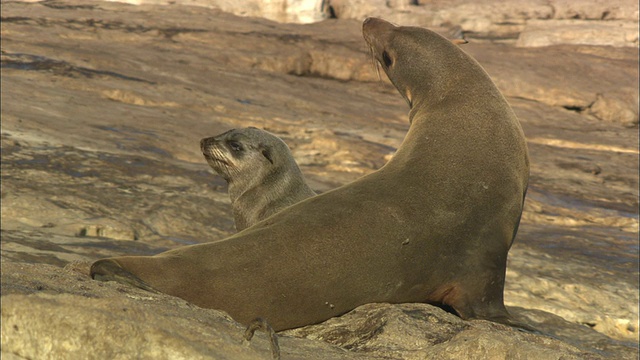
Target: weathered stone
column 595, row 10
column 103, row 107
column 420, row 331
column 61, row 313
column 293, row 11
column 580, row 32
column 614, row 110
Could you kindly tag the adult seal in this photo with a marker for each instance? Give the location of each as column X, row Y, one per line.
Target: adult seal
column 433, row 225
column 262, row 174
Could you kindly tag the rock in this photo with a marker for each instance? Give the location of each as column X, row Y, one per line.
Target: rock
column 50, row 311
column 560, row 81
column 539, row 20
column 420, row 331
column 102, row 158
column 286, row 11
column 595, row 10
column 576, row 301
column 502, row 19
column 581, row 32
column 53, row 312
column 614, row 110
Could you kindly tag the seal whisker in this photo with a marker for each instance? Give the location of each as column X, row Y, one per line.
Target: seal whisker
column 221, row 158
column 374, row 62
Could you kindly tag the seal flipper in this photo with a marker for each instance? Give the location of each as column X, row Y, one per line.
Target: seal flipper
column 261, row 324
column 110, row 270
column 483, row 303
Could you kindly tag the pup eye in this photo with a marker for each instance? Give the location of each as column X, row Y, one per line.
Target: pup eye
column 234, row 145
column 386, row 59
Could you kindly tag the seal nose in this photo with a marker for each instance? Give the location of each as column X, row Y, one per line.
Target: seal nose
column 205, row 142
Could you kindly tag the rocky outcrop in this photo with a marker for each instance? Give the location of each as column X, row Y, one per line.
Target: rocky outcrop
column 533, row 23
column 48, row 311
column 286, row 11
column 615, row 33
column 103, row 107
column 61, row 313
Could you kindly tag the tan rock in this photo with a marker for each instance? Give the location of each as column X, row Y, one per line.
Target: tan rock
column 579, row 32
column 107, row 103
column 61, row 313
column 285, row 11
column 595, row 10
column 420, row 331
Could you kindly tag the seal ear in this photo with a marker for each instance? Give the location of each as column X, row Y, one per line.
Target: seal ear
column 267, row 153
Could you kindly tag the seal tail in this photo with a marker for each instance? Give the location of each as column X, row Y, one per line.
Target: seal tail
column 110, row 270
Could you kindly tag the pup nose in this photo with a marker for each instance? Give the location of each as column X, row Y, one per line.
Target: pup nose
column 204, row 142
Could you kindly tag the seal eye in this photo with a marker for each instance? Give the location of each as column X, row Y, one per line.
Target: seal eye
column 386, row 59
column 234, row 145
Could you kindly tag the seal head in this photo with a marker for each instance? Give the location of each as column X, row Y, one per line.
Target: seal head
column 262, row 174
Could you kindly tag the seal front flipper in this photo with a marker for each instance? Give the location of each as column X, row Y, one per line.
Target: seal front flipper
column 261, row 324
column 110, row 270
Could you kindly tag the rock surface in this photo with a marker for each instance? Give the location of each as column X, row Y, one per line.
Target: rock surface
column 103, row 107
column 49, row 312
column 581, row 32
column 539, row 22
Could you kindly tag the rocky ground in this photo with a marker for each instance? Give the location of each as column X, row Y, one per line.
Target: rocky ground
column 104, row 104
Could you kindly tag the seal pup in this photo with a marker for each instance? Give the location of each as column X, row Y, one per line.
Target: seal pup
column 262, row 174
column 434, row 224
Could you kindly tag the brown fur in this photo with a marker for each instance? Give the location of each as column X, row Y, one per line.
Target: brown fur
column 433, row 224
